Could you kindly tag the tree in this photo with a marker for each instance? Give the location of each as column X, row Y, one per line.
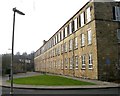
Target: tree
column 18, row 53
column 6, row 61
column 24, row 54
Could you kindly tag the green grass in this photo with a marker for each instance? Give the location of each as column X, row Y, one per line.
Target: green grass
column 49, row 80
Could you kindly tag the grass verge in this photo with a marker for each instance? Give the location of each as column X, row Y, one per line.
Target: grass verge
column 49, row 80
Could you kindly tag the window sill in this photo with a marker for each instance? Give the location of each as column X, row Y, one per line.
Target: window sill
column 90, row 44
column 75, row 48
column 82, row 46
column 88, row 21
column 90, row 68
column 83, row 68
column 76, row 68
column 70, row 50
column 116, row 21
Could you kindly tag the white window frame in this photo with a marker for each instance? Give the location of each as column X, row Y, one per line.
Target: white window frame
column 89, row 33
column 70, row 28
column 62, row 49
column 82, row 40
column 58, row 50
column 54, row 51
column 70, row 44
column 59, row 37
column 66, row 63
column 56, row 39
column 76, row 62
column 76, row 42
column 117, row 13
column 58, row 64
column 90, row 61
column 88, row 15
column 65, row 31
column 82, row 19
column 83, row 62
column 71, row 63
column 61, row 64
column 75, row 24
column 62, row 34
column 65, row 46
column 118, row 35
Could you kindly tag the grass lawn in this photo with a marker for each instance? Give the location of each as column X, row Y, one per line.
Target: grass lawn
column 49, row 80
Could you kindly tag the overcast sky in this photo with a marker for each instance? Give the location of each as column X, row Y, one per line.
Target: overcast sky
column 42, row 19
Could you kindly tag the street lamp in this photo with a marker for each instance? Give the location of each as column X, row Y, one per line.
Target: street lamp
column 21, row 13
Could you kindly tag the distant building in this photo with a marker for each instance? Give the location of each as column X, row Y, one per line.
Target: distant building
column 86, row 46
column 23, row 63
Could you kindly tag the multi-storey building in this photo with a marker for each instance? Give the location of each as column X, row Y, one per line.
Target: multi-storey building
column 86, row 46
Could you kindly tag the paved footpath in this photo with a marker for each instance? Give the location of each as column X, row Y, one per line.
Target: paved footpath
column 99, row 84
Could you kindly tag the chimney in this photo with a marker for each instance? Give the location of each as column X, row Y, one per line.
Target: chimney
column 44, row 42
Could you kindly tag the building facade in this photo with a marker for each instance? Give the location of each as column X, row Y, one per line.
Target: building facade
column 86, row 46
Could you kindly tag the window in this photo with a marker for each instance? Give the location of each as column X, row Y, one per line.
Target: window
column 55, row 64
column 83, row 61
column 71, row 63
column 61, row 64
column 79, row 22
column 58, row 50
column 82, row 19
column 56, row 39
column 70, row 28
column 76, row 43
column 118, row 35
column 66, row 63
column 116, row 13
column 58, row 64
column 55, row 51
column 61, row 48
column 65, row 31
column 89, row 36
column 90, row 62
column 73, row 28
column 52, row 53
column 75, row 23
column 61, row 34
column 59, row 37
column 52, row 42
column 70, row 44
column 82, row 40
column 76, row 61
column 65, row 47
column 88, row 14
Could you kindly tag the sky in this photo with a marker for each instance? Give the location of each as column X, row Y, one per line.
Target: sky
column 41, row 20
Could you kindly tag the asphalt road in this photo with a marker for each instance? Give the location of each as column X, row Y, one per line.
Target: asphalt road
column 72, row 91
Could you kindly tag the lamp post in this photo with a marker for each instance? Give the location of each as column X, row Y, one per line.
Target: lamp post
column 21, row 13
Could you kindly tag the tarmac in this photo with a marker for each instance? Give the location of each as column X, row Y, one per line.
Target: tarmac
column 99, row 84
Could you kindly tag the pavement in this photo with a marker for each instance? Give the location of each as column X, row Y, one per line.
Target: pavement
column 99, row 84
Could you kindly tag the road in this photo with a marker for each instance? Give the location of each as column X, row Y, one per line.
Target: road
column 72, row 91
